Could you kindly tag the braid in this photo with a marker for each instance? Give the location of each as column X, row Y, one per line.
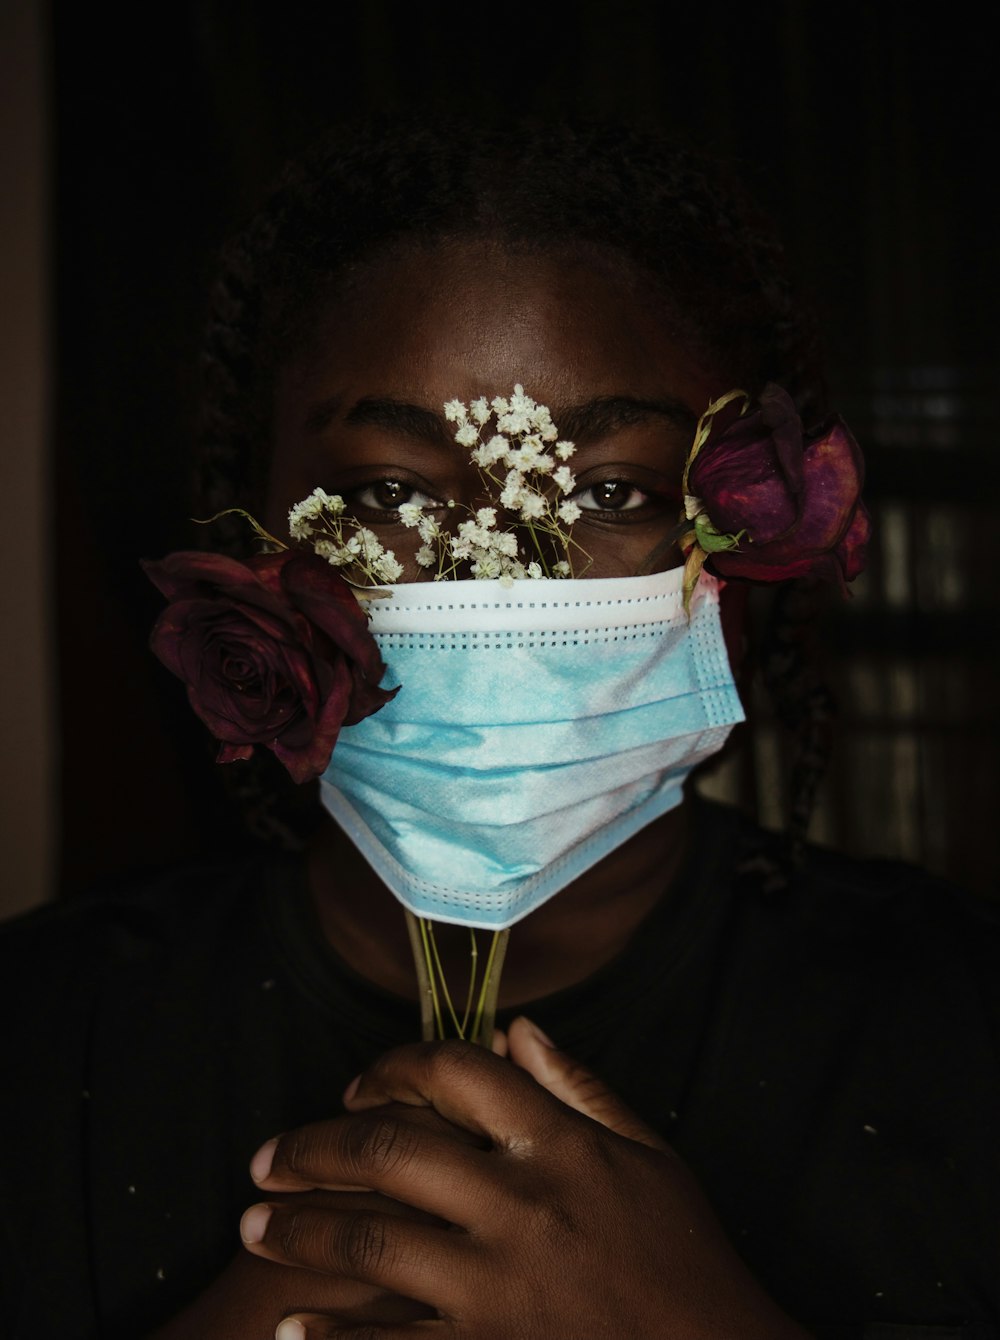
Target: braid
column 806, row 707
column 718, row 271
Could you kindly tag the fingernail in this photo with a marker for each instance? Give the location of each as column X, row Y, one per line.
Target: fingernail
column 253, row 1225
column 352, row 1088
column 290, row 1329
column 260, row 1164
column 537, row 1033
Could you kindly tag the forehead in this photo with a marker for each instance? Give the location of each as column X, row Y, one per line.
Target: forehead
column 469, row 319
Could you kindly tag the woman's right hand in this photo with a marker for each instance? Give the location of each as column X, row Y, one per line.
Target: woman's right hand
column 251, row 1296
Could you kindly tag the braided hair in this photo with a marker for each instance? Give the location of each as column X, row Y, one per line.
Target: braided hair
column 713, row 262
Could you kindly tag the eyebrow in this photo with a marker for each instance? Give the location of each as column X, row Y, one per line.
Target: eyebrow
column 607, row 414
column 397, row 416
column 590, row 419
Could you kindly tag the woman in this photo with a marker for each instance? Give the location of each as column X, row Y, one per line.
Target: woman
column 808, row 1054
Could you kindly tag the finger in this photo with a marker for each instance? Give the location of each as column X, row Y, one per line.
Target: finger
column 421, row 1118
column 467, row 1085
column 498, row 1043
column 312, row 1326
column 357, row 1200
column 575, row 1085
column 414, row 1260
column 382, row 1150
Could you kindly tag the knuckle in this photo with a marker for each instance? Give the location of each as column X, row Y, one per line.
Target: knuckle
column 293, row 1151
column 554, row 1218
column 363, row 1244
column 379, row 1144
column 290, row 1234
column 458, row 1064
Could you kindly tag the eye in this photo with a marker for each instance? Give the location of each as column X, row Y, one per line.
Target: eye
column 386, row 495
column 611, row 495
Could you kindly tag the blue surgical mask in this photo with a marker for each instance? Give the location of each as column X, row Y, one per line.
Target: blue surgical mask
column 538, row 727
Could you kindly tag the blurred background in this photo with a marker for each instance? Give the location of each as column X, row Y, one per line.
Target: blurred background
column 135, row 139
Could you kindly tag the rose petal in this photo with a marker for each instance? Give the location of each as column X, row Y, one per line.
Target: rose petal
column 230, row 753
column 748, row 473
column 852, row 551
column 742, row 486
column 275, row 651
column 310, row 761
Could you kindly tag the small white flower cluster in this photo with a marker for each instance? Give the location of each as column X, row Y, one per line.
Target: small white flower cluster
column 320, row 520
column 523, row 464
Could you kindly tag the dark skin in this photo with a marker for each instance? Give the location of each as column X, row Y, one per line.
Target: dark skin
column 466, row 1194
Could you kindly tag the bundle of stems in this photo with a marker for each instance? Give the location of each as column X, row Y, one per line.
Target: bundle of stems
column 439, row 1017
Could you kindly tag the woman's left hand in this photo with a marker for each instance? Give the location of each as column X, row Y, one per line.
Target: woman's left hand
column 576, row 1220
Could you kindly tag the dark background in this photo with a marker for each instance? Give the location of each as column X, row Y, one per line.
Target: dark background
column 864, row 128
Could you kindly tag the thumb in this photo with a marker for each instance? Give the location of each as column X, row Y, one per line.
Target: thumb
column 573, row 1084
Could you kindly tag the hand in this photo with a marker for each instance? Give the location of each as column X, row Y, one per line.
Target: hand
column 555, row 1225
column 250, row 1298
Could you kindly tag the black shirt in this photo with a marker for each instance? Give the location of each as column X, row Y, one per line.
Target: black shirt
column 826, row 1063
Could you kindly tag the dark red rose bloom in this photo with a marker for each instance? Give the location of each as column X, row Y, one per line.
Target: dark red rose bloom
column 274, row 651
column 796, row 495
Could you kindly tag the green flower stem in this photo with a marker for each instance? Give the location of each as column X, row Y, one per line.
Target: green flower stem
column 473, row 973
column 434, row 991
column 425, row 985
column 437, row 970
column 486, row 1009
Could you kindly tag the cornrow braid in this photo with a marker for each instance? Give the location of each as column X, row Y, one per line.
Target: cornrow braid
column 717, row 270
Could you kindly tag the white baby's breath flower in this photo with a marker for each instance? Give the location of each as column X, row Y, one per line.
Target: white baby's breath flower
column 561, row 569
column 515, row 422
column 302, row 514
column 531, row 454
column 517, row 459
column 535, row 572
column 513, row 490
column 486, row 568
column 428, row 528
column 409, row 514
column 532, row 504
column 328, row 550
column 496, row 449
column 389, row 569
column 298, row 527
column 371, row 545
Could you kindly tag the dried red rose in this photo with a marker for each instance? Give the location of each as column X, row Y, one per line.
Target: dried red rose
column 768, row 501
column 274, row 651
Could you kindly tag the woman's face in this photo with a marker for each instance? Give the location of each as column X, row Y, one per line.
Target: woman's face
column 361, row 413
